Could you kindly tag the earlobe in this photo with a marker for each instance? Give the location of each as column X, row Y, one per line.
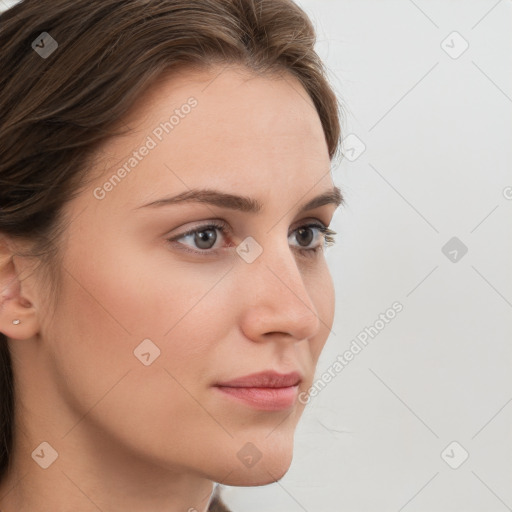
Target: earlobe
column 17, row 314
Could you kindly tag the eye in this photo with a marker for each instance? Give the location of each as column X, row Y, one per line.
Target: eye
column 204, row 237
column 303, row 233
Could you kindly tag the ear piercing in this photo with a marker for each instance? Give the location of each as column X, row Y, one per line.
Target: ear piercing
column 16, row 322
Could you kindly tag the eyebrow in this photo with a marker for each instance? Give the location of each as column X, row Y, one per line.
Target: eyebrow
column 241, row 203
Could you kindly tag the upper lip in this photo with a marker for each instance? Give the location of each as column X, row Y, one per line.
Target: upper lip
column 265, row 379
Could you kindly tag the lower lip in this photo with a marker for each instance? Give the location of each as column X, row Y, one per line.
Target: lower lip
column 264, row 399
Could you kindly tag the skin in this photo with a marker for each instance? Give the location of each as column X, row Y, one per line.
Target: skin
column 133, row 437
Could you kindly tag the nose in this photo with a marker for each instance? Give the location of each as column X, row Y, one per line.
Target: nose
column 276, row 301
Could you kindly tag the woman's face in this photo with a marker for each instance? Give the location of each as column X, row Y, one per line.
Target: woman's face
column 145, row 327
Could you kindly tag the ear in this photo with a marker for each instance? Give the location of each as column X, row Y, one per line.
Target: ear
column 14, row 304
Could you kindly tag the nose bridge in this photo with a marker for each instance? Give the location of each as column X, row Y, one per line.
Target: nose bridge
column 279, row 299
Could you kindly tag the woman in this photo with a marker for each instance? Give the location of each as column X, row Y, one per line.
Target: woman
column 165, row 197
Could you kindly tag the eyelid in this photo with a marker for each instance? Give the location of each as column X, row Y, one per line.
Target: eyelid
column 204, row 225
column 227, row 227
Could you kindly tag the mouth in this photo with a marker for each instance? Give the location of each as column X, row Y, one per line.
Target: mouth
column 265, row 391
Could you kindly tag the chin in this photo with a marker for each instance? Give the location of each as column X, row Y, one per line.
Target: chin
column 255, row 477
column 274, row 463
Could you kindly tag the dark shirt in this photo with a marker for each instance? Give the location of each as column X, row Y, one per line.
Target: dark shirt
column 216, row 504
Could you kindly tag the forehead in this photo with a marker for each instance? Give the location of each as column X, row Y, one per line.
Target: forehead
column 225, row 125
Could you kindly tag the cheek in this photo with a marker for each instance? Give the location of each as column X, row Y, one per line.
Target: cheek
column 110, row 304
column 104, row 313
column 145, row 291
column 320, row 287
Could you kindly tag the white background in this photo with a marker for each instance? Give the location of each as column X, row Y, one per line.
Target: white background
column 437, row 159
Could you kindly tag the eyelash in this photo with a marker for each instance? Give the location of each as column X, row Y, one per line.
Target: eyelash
column 326, row 232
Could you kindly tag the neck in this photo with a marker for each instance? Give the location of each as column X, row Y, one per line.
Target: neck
column 91, row 474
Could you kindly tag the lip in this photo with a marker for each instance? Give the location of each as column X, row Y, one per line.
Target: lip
column 265, row 379
column 265, row 391
column 263, row 399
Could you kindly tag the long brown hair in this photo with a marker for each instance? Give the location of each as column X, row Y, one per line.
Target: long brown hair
column 71, row 68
